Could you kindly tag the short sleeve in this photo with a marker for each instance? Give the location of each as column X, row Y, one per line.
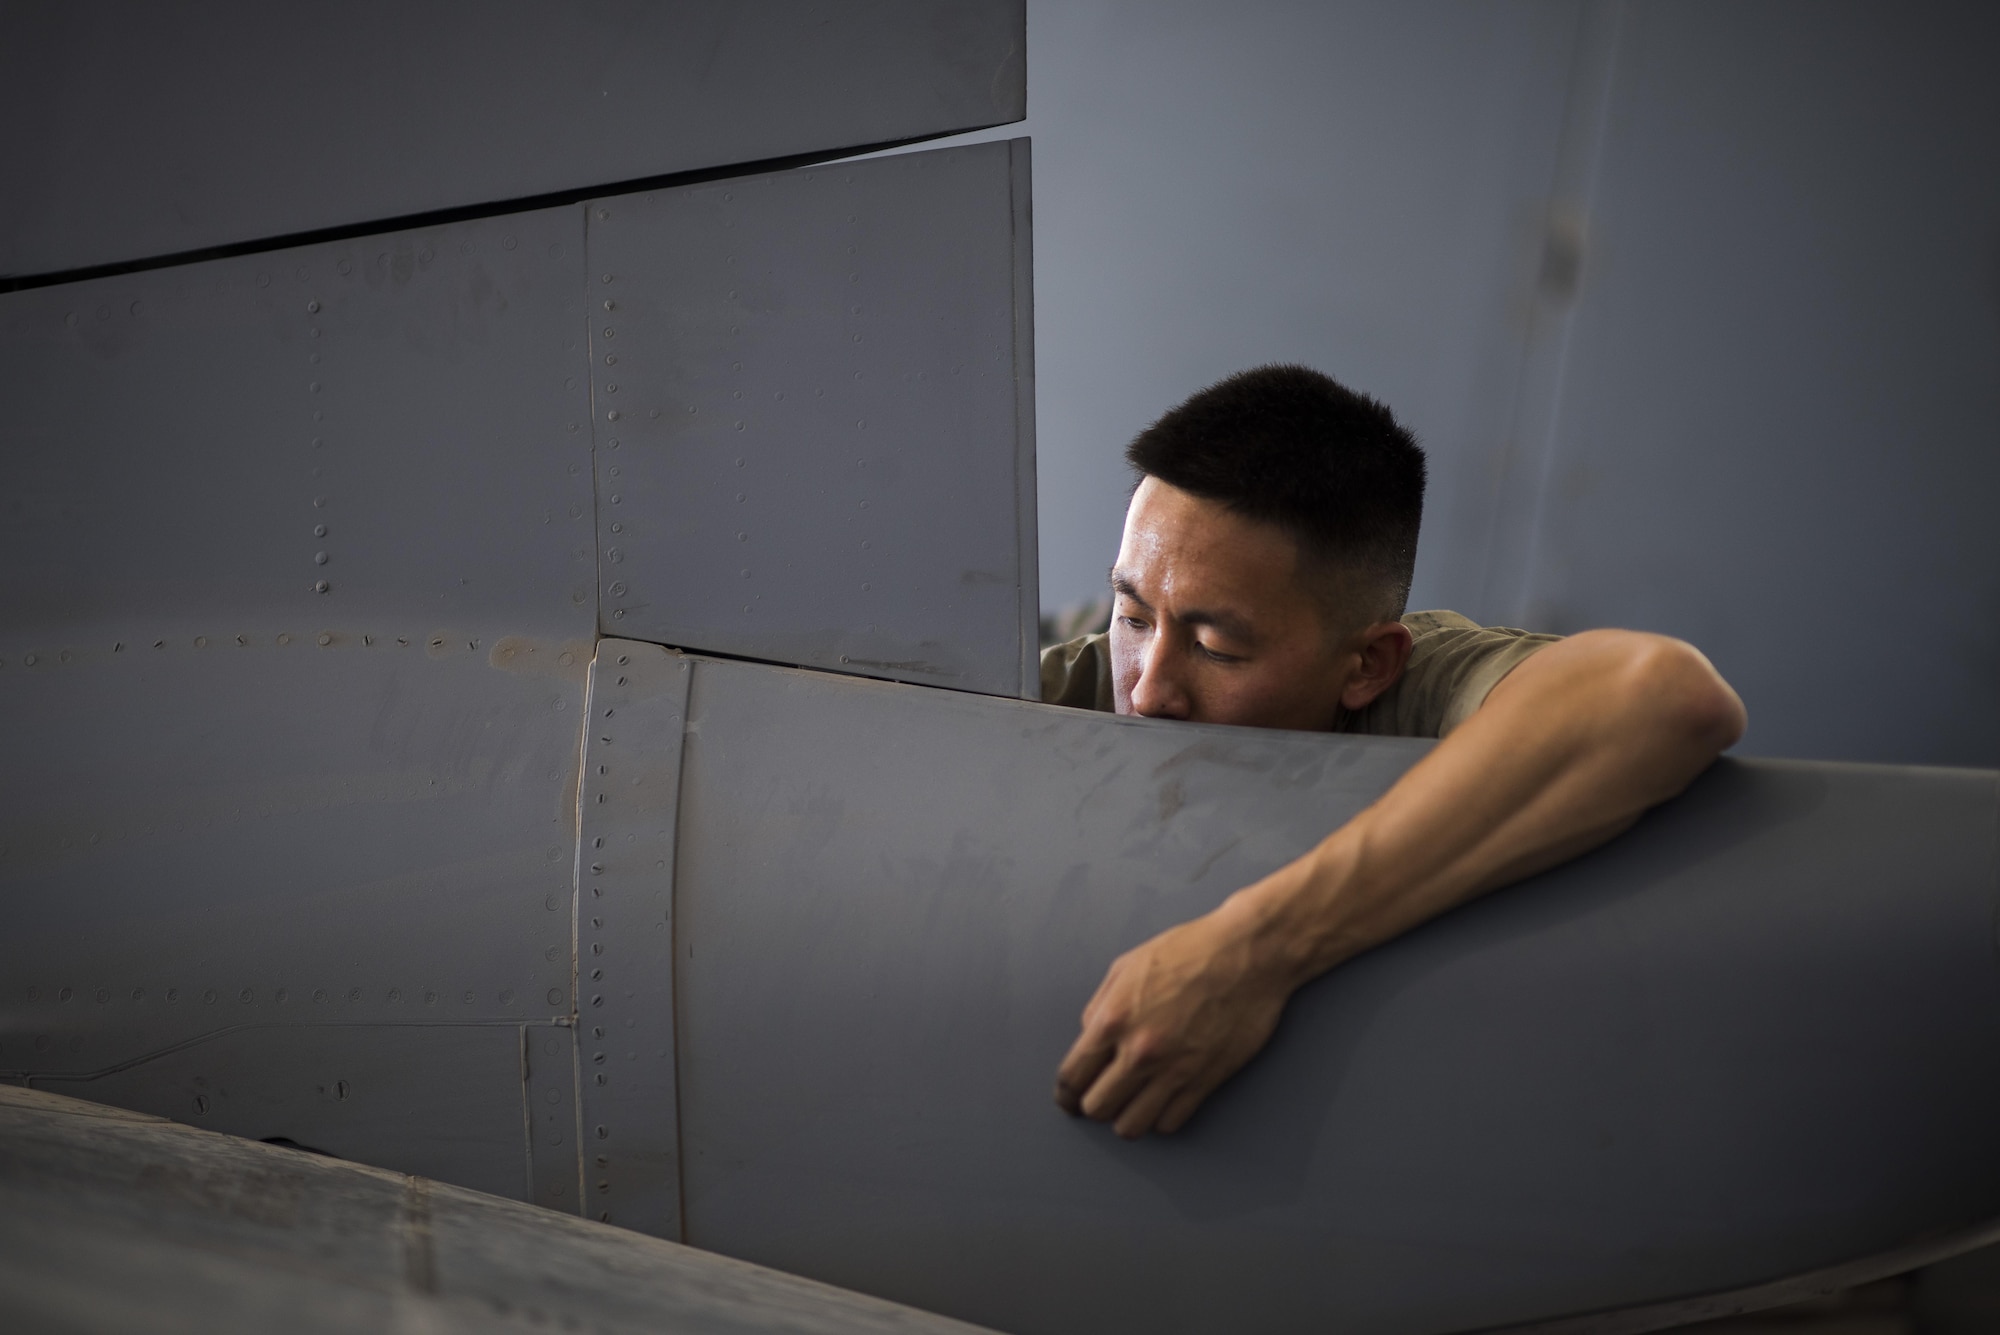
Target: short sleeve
column 1454, row 663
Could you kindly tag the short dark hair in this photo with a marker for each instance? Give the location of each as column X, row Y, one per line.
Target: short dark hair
column 1293, row 447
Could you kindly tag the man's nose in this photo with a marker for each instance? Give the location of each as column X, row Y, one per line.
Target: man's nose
column 1159, row 693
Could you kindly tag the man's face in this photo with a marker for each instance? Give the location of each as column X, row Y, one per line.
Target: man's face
column 1213, row 623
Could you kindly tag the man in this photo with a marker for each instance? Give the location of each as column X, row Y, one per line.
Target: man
column 1261, row 580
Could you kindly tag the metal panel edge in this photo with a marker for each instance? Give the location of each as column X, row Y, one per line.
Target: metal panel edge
column 1026, row 495
column 629, row 1136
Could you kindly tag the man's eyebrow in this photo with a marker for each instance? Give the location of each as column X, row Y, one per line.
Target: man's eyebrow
column 1122, row 585
column 1235, row 627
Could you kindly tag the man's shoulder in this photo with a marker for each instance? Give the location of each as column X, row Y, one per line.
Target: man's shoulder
column 1077, row 673
column 1454, row 662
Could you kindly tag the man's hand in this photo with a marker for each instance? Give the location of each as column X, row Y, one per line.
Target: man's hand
column 1173, row 1019
column 1568, row 750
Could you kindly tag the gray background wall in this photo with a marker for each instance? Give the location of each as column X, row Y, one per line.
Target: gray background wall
column 1695, row 305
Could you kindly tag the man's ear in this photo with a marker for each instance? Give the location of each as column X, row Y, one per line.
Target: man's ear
column 1384, row 650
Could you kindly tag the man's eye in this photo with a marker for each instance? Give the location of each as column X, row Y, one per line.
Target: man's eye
column 1134, row 623
column 1216, row 655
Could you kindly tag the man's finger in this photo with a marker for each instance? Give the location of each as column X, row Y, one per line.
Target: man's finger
column 1143, row 1112
column 1087, row 1058
column 1114, row 1088
column 1184, row 1104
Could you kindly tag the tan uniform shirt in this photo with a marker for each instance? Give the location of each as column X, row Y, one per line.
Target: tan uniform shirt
column 1453, row 663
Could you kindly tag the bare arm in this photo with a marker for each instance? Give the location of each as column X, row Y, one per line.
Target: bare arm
column 1567, row 751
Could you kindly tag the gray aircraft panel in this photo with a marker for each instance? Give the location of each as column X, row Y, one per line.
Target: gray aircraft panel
column 400, row 418
column 440, row 1100
column 814, row 417
column 1604, row 1088
column 142, row 129
column 114, row 1221
column 245, row 814
column 630, row 1139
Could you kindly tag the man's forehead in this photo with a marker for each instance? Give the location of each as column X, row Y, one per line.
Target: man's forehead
column 1173, row 535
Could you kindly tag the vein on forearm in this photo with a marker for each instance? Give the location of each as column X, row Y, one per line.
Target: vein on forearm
column 1556, row 763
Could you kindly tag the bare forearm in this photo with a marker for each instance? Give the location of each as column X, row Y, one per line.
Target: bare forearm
column 1568, row 751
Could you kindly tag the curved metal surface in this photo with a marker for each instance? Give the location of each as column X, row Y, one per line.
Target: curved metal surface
column 1753, row 1038
column 115, row 1221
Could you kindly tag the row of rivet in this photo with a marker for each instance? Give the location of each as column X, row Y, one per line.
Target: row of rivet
column 394, row 995
column 325, row 639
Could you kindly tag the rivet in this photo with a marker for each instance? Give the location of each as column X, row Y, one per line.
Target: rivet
column 321, row 586
column 610, row 305
column 173, row 994
column 618, row 614
column 345, row 267
column 506, row 996
column 618, row 589
column 319, row 530
column 201, row 1103
column 340, row 1089
column 607, row 278
column 555, row 996
column 324, row 639
column 617, row 528
column 319, row 558
column 603, row 1133
column 616, row 498
column 137, row 308
column 354, row 994
column 284, row 640
column 201, row 641
column 602, row 214
column 208, row 996
column 244, row 995
column 319, row 502
column 30, row 659
column 312, row 307
column 507, row 242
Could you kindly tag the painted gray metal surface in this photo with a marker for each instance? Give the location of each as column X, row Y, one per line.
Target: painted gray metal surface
column 814, row 412
column 1756, row 1037
column 297, row 599
column 113, row 1221
column 1759, row 425
column 625, row 936
column 262, row 843
column 134, row 130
